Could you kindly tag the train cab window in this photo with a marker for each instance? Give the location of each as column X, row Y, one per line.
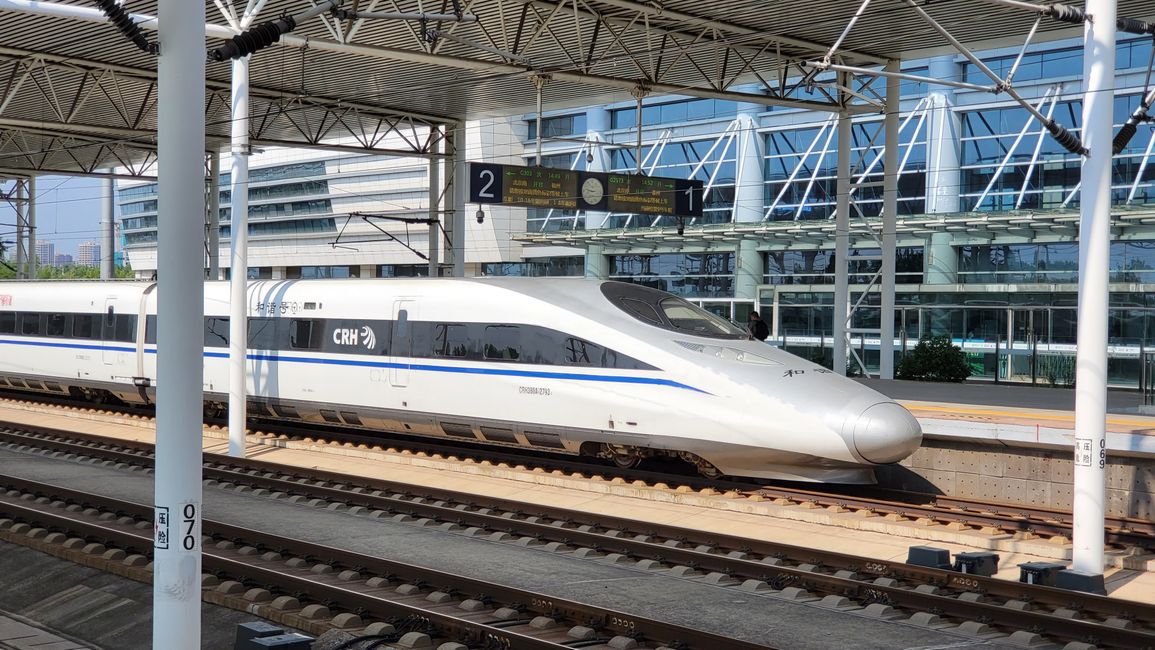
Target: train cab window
column 669, row 312
column 216, row 332
column 8, row 322
column 30, row 324
column 304, row 334
column 83, row 326
column 501, row 342
column 450, row 341
column 54, row 324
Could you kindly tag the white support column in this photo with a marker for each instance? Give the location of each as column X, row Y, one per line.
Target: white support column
column 176, row 622
column 460, row 174
column 1094, row 260
column 597, row 264
column 214, row 215
column 30, row 217
column 239, row 260
column 749, row 187
column 889, row 222
column 943, row 177
column 107, row 229
column 842, row 241
column 434, row 202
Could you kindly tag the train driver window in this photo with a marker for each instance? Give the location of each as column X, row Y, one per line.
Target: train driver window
column 450, row 341
column 8, row 322
column 54, row 325
column 501, row 342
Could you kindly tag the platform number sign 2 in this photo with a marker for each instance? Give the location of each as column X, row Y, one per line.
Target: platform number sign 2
column 485, row 183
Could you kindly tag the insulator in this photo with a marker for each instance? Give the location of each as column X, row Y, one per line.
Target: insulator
column 1066, row 14
column 1127, row 131
column 257, row 38
column 123, row 22
column 1068, row 140
column 1132, row 26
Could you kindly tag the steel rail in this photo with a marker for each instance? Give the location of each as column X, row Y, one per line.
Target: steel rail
column 344, row 596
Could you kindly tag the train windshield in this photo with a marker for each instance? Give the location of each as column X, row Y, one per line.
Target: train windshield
column 668, row 312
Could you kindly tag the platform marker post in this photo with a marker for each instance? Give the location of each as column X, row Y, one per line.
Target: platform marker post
column 176, row 615
column 1094, row 259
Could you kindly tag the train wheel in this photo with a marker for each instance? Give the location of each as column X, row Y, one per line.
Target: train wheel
column 621, row 457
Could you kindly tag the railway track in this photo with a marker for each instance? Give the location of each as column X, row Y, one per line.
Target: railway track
column 963, row 514
column 927, row 596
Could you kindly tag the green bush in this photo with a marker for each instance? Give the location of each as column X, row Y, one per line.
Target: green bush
column 934, row 359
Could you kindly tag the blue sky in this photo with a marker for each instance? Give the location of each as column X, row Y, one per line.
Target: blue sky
column 67, row 211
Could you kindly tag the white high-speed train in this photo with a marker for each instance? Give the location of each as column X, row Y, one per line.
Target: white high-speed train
column 599, row 368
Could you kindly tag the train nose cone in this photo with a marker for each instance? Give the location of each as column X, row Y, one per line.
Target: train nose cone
column 886, row 433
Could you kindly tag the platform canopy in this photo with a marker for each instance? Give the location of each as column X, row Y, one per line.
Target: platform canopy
column 76, row 96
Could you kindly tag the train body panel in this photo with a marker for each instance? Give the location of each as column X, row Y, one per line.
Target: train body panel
column 570, row 364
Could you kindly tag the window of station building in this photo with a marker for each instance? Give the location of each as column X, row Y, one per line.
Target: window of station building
column 148, row 189
column 280, row 172
column 698, row 275
column 542, row 220
column 817, row 267
column 137, row 223
column 502, row 342
column 321, row 272
column 673, row 112
column 402, row 271
column 138, row 207
column 558, row 126
column 538, row 267
column 313, row 206
column 147, row 237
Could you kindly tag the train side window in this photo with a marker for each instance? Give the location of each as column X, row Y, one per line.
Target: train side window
column 577, row 352
column 8, row 322
column 502, row 342
column 263, row 334
column 150, row 329
column 304, row 334
column 110, row 318
column 450, row 341
column 54, row 324
column 30, row 324
column 83, row 326
column 216, row 332
column 125, row 328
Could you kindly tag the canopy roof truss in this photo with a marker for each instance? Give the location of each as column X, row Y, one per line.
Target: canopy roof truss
column 78, row 97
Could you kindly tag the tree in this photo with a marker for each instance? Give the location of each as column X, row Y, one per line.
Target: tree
column 934, row 359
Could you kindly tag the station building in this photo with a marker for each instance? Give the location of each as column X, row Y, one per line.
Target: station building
column 988, row 214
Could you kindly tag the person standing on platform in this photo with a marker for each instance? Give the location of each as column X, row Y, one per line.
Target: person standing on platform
column 757, row 327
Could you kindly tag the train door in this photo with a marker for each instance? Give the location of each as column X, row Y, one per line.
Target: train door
column 401, row 342
column 108, row 332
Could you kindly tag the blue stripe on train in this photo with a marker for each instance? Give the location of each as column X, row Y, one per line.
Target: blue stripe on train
column 417, row 367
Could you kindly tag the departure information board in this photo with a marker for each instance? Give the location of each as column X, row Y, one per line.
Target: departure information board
column 564, row 189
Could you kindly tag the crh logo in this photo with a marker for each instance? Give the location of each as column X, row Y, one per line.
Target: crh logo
column 353, row 336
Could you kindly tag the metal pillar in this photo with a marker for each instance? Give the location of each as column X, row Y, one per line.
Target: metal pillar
column 213, row 223
column 239, row 259
column 457, row 231
column 889, row 223
column 941, row 259
column 21, row 231
column 107, row 228
column 434, row 202
column 30, row 218
column 180, row 336
column 1094, row 259
column 842, row 239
